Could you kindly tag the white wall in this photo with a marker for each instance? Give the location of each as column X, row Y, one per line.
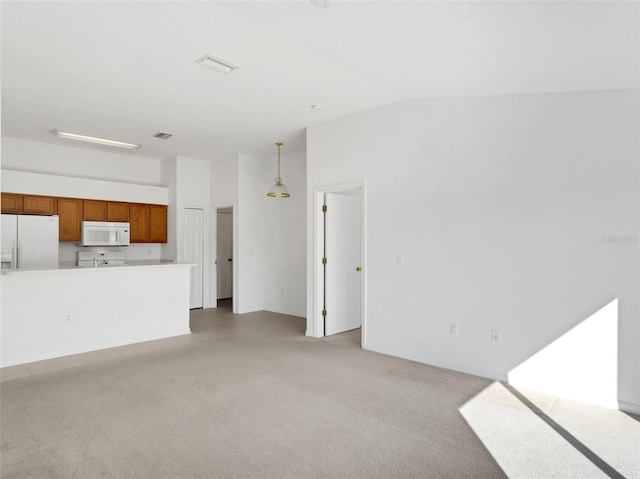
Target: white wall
column 84, row 309
column 250, row 231
column 501, row 207
column 73, row 187
column 52, row 159
column 224, row 193
column 285, row 238
column 169, row 181
column 224, row 181
column 269, row 233
column 192, row 191
column 193, row 177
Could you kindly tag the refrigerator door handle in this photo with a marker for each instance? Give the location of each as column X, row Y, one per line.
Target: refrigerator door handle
column 16, row 254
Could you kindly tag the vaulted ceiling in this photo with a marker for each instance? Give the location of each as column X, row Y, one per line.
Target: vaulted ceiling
column 126, row 69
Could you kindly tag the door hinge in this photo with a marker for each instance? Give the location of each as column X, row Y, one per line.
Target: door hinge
column 324, row 208
column 324, row 260
column 324, row 312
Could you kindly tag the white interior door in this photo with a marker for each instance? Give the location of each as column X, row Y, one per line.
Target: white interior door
column 224, row 259
column 193, row 251
column 343, row 253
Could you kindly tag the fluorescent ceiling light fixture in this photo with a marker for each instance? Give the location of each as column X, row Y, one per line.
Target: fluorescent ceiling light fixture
column 216, row 64
column 93, row 139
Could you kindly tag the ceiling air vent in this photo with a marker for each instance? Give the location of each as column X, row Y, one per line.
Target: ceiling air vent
column 162, row 136
column 214, row 63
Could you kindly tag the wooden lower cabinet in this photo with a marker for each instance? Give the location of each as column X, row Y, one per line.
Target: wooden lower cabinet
column 11, row 203
column 39, row 205
column 148, row 223
column 70, row 212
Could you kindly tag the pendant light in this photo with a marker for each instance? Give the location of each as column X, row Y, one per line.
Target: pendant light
column 279, row 190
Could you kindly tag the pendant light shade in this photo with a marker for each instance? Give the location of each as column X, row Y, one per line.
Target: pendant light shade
column 278, row 190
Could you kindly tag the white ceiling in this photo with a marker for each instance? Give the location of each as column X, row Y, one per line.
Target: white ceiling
column 125, row 70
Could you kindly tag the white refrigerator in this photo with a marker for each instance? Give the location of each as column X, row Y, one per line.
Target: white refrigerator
column 29, row 241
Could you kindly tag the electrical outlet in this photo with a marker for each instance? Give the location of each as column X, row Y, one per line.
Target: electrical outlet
column 495, row 335
column 68, row 318
column 61, row 253
column 454, row 328
column 400, row 259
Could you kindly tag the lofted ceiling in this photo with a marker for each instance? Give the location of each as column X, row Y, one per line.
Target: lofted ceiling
column 126, row 69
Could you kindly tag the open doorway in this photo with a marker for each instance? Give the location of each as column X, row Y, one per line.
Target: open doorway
column 339, row 252
column 224, row 257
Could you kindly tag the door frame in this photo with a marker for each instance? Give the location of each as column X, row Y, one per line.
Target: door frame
column 214, row 254
column 317, row 320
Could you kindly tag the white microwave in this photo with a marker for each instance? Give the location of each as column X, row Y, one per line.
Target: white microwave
column 103, row 233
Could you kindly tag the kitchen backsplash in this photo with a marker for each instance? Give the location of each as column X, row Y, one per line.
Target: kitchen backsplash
column 133, row 252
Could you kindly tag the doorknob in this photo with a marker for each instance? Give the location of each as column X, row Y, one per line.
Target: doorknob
column 358, row 268
column 229, row 259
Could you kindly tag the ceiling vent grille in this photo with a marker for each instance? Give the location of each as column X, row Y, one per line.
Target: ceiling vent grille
column 214, row 63
column 162, row 136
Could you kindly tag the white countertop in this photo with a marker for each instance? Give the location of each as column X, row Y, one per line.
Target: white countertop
column 71, row 267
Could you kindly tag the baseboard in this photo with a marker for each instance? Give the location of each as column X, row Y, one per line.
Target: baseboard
column 629, row 407
column 443, row 365
column 90, row 348
column 502, row 378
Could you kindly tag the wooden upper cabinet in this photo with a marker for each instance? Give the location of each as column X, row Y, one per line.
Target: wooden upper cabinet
column 117, row 211
column 95, row 210
column 157, row 224
column 11, row 203
column 39, row 205
column 98, row 210
column 70, row 212
column 148, row 223
column 139, row 219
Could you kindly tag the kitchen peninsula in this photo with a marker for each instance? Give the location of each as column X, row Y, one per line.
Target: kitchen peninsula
column 50, row 313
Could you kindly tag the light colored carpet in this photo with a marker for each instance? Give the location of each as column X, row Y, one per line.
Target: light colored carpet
column 535, row 435
column 247, row 396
